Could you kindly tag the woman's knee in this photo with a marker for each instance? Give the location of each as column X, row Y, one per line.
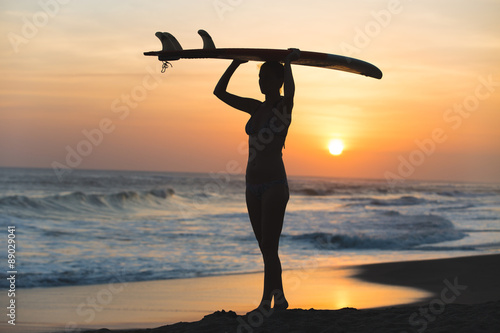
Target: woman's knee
column 269, row 249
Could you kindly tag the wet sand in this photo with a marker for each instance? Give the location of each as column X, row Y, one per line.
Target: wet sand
column 443, row 295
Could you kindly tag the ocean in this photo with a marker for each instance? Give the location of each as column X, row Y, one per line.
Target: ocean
column 93, row 226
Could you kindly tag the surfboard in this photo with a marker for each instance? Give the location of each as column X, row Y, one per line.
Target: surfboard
column 172, row 50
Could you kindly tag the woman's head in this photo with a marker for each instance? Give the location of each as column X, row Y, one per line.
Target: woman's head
column 271, row 76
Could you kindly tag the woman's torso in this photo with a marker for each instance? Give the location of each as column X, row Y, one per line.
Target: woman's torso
column 267, row 130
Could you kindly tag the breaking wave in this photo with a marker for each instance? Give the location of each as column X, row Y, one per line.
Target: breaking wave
column 393, row 231
column 80, row 202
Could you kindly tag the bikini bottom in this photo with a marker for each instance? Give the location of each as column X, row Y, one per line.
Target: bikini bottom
column 259, row 189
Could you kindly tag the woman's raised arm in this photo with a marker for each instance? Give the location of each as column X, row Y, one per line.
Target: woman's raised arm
column 288, row 83
column 241, row 103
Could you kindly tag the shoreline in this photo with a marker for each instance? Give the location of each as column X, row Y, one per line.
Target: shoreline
column 395, row 290
column 476, row 278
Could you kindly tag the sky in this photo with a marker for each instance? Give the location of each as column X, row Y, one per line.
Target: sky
column 78, row 93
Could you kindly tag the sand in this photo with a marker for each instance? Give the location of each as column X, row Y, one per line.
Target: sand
column 454, row 318
column 443, row 295
column 479, row 274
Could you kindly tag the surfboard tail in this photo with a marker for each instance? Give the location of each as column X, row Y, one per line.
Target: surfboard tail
column 168, row 41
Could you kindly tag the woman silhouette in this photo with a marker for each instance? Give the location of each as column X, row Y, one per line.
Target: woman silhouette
column 266, row 182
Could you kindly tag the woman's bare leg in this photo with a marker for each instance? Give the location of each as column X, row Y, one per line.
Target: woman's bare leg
column 274, row 202
column 266, row 215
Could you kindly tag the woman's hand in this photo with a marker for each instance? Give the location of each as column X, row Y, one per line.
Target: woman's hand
column 294, row 55
column 238, row 62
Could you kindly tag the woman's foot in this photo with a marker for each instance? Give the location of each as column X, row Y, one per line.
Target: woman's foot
column 280, row 306
column 280, row 302
column 264, row 308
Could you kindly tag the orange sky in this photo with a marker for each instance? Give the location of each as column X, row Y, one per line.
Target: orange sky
column 74, row 79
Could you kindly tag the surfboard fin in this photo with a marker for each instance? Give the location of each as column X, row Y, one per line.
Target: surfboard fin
column 168, row 42
column 208, row 43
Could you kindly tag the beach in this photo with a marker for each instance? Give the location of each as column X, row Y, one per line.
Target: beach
column 127, row 250
column 457, row 318
column 443, row 295
column 464, row 297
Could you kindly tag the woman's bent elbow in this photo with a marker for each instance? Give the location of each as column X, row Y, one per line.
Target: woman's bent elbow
column 218, row 93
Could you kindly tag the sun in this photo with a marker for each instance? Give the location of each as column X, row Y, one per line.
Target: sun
column 336, row 146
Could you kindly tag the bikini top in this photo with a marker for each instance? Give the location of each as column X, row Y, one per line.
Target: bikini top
column 274, row 123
